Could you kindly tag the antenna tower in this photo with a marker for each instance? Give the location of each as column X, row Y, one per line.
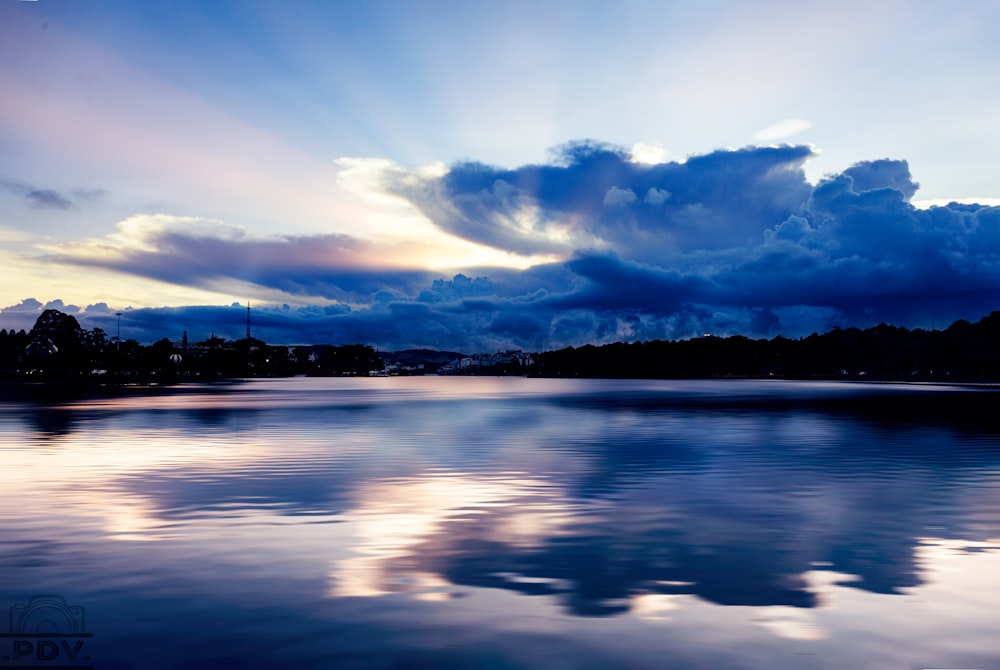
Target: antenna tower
column 248, row 319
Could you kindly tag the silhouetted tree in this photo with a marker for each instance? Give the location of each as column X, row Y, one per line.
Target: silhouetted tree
column 56, row 345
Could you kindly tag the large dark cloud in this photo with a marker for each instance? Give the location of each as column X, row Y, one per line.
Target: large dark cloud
column 729, row 242
column 594, row 195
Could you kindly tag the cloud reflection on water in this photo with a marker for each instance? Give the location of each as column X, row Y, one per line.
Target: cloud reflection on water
column 600, row 504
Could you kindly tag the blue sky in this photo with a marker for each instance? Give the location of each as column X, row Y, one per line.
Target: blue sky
column 481, row 175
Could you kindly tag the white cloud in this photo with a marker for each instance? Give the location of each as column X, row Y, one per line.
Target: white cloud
column 941, row 202
column 781, row 130
column 392, row 219
column 619, row 197
column 649, row 154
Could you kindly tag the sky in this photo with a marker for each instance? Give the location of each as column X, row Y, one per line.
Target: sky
column 481, row 176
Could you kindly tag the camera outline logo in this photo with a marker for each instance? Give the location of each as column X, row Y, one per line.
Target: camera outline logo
column 36, row 617
column 45, row 631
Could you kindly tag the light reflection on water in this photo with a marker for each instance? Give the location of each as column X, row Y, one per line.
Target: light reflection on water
column 504, row 522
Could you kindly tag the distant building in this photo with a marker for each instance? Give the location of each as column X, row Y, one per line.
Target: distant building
column 468, row 363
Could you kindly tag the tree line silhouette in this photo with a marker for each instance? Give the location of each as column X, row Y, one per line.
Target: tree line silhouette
column 962, row 351
column 57, row 348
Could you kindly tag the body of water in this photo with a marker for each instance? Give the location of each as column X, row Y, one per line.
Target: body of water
column 442, row 522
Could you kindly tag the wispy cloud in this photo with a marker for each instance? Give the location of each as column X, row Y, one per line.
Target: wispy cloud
column 38, row 198
column 205, row 253
column 781, row 130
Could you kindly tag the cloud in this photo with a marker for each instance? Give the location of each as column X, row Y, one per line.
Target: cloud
column 730, row 242
column 61, row 306
column 650, row 154
column 89, row 194
column 882, row 174
column 207, row 254
column 735, row 237
column 942, row 202
column 26, row 305
column 46, row 198
column 781, row 130
column 619, row 197
column 21, row 316
column 588, row 196
column 37, row 198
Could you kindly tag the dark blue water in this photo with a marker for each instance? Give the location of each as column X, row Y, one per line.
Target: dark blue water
column 504, row 523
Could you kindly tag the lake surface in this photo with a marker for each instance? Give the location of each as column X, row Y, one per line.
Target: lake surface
column 442, row 522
